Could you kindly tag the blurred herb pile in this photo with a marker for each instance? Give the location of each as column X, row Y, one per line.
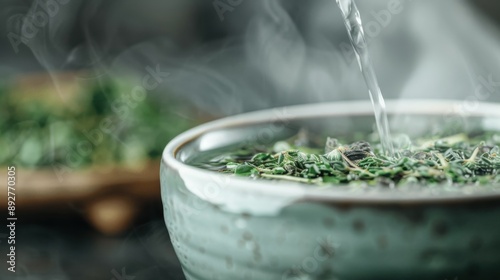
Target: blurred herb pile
column 455, row 160
column 106, row 127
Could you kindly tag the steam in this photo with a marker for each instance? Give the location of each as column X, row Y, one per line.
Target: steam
column 272, row 40
column 277, row 52
column 455, row 57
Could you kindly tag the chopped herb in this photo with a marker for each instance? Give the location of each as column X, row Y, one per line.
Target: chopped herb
column 455, row 160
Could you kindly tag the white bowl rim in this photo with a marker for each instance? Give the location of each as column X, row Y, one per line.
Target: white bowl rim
column 344, row 108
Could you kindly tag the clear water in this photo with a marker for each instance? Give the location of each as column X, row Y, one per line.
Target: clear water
column 357, row 36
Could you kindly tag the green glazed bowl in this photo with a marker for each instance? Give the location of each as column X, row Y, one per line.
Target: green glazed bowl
column 229, row 228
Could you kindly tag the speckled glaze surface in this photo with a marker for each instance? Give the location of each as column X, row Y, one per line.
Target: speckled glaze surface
column 228, row 228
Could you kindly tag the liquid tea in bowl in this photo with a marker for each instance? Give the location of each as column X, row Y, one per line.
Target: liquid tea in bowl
column 293, row 193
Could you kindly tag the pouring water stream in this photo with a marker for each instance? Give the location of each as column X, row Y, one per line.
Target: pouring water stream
column 355, row 30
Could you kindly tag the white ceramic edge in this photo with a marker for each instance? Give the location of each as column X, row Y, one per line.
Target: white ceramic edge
column 297, row 191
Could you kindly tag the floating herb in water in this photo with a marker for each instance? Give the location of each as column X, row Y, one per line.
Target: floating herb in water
column 455, row 160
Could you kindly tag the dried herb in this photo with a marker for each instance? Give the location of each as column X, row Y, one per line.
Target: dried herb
column 106, row 127
column 455, row 160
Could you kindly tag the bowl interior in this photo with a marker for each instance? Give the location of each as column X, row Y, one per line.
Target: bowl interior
column 348, row 127
column 346, row 120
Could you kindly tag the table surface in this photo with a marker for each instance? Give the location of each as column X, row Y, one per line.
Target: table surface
column 62, row 248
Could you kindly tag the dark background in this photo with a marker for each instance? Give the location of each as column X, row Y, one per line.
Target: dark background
column 190, row 25
column 62, row 245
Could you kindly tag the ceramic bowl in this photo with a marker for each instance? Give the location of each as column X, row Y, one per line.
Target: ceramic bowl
column 225, row 227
